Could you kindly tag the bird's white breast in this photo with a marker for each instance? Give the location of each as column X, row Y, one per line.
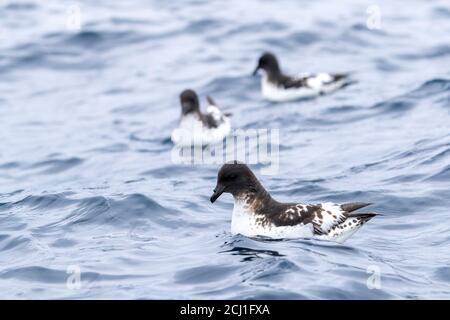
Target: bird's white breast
column 192, row 132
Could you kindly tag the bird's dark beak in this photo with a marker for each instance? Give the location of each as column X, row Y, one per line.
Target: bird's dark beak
column 217, row 192
column 256, row 70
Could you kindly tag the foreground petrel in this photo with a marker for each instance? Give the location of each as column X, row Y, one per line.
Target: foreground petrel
column 196, row 128
column 277, row 86
column 256, row 213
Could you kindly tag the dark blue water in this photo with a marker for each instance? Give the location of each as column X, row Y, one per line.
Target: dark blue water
column 87, row 182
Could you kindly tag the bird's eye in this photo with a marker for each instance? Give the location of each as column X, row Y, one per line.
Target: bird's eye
column 230, row 177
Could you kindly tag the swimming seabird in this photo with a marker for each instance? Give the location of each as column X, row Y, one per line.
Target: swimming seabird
column 277, row 86
column 197, row 128
column 257, row 214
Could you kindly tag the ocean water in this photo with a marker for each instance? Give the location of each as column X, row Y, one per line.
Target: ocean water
column 91, row 205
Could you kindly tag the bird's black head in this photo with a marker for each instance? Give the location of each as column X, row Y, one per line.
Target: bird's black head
column 189, row 102
column 269, row 63
column 234, row 178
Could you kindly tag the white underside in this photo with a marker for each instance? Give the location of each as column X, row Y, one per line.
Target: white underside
column 192, row 132
column 317, row 85
column 245, row 222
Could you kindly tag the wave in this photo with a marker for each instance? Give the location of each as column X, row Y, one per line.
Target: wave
column 56, row 165
column 431, row 87
column 47, row 275
column 132, row 210
column 67, row 51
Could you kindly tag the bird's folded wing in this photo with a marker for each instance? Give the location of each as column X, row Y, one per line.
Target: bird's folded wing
column 323, row 216
column 328, row 216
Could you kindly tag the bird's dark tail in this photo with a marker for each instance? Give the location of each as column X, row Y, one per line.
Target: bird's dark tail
column 364, row 216
column 340, row 76
column 344, row 78
column 353, row 206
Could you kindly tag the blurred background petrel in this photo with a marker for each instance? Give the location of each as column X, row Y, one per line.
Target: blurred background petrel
column 277, row 86
column 197, row 128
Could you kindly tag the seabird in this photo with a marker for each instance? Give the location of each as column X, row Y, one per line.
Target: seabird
column 276, row 86
column 197, row 128
column 257, row 214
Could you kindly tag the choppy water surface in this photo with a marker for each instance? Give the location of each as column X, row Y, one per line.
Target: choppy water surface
column 86, row 178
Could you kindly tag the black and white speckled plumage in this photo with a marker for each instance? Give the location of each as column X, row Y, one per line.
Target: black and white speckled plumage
column 190, row 106
column 256, row 213
column 203, row 128
column 277, row 86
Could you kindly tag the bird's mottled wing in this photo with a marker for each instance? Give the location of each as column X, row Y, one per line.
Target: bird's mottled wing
column 329, row 216
column 213, row 116
column 210, row 121
column 323, row 217
column 289, row 82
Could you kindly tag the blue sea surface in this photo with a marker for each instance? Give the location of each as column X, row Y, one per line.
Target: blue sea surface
column 88, row 190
